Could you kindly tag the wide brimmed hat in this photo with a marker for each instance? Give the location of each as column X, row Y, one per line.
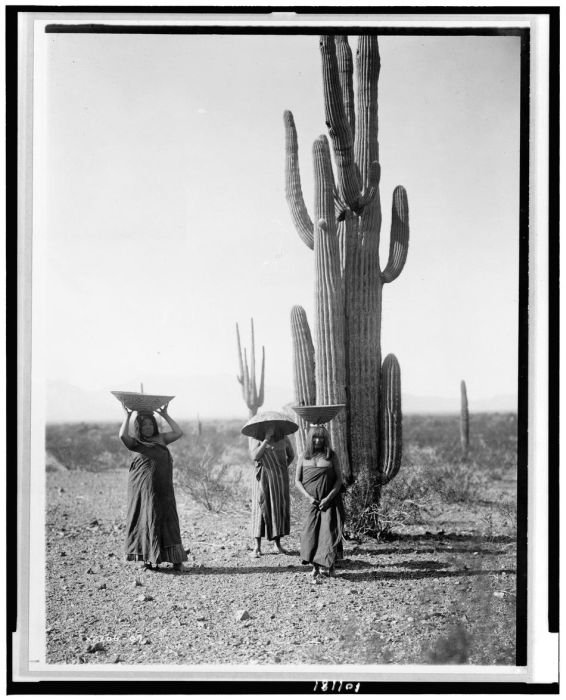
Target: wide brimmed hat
column 136, row 401
column 257, row 425
column 318, row 415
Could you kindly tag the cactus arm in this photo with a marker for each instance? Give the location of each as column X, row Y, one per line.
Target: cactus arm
column 391, row 435
column 368, row 67
column 399, row 239
column 246, row 384
column 262, row 376
column 293, row 190
column 240, row 377
column 338, row 126
column 253, row 390
column 345, row 76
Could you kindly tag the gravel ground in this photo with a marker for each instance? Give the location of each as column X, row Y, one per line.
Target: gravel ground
column 446, row 595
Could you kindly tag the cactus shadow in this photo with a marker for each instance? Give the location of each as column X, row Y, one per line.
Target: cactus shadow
column 420, row 574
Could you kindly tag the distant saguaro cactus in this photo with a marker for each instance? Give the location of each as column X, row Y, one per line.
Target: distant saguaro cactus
column 464, row 419
column 348, row 277
column 252, row 395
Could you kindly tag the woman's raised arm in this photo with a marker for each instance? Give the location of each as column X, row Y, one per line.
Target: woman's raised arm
column 175, row 433
column 124, row 433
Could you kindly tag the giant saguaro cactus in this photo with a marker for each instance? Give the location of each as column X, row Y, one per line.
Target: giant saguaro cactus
column 252, row 395
column 348, row 276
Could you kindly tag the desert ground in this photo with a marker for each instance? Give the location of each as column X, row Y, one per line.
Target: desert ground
column 433, row 581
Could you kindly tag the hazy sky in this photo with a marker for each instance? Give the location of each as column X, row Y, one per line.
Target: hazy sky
column 166, row 221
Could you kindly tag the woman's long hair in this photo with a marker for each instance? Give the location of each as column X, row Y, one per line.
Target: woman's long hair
column 317, row 431
column 138, row 423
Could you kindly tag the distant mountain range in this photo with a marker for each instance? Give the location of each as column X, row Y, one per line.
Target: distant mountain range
column 219, row 396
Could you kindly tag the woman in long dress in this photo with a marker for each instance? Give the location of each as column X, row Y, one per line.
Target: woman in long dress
column 319, row 479
column 271, row 515
column 153, row 534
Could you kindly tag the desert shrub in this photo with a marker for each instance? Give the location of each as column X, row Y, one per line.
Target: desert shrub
column 376, row 511
column 210, row 466
column 457, row 482
column 88, row 446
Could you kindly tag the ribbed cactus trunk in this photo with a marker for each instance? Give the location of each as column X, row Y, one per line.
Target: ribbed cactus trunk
column 464, row 419
column 345, row 237
column 303, row 368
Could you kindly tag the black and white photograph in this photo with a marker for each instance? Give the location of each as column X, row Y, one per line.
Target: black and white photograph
column 283, row 348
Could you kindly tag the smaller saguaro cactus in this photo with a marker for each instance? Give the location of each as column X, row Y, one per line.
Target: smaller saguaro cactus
column 303, row 368
column 391, row 430
column 252, row 395
column 464, row 419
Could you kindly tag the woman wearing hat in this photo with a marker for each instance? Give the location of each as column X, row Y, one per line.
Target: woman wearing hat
column 152, row 530
column 271, row 516
column 319, row 479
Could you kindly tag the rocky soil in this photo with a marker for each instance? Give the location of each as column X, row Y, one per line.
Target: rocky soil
column 440, row 594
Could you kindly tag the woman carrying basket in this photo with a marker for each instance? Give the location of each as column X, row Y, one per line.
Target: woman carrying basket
column 319, row 479
column 152, row 531
column 272, row 453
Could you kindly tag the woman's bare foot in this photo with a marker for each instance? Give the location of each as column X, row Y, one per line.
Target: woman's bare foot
column 256, row 554
column 279, row 548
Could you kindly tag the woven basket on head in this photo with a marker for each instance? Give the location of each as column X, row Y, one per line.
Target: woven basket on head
column 317, row 415
column 141, row 402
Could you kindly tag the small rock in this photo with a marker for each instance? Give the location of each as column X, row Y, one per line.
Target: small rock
column 410, row 619
column 62, row 554
column 202, row 625
column 499, row 594
column 90, row 570
column 320, row 605
column 116, row 659
column 276, row 660
column 102, row 587
column 272, row 616
column 145, row 597
column 138, row 581
column 201, row 618
column 242, row 615
column 92, row 648
column 61, row 490
column 145, row 640
column 352, row 591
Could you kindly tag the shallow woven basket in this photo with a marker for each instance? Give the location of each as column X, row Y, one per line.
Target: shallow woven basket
column 317, row 415
column 141, row 402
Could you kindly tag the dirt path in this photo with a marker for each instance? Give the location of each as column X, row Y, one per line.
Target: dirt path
column 419, row 598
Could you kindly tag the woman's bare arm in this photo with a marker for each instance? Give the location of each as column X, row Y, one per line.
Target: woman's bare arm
column 175, row 433
column 124, row 433
column 257, row 452
column 324, row 503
